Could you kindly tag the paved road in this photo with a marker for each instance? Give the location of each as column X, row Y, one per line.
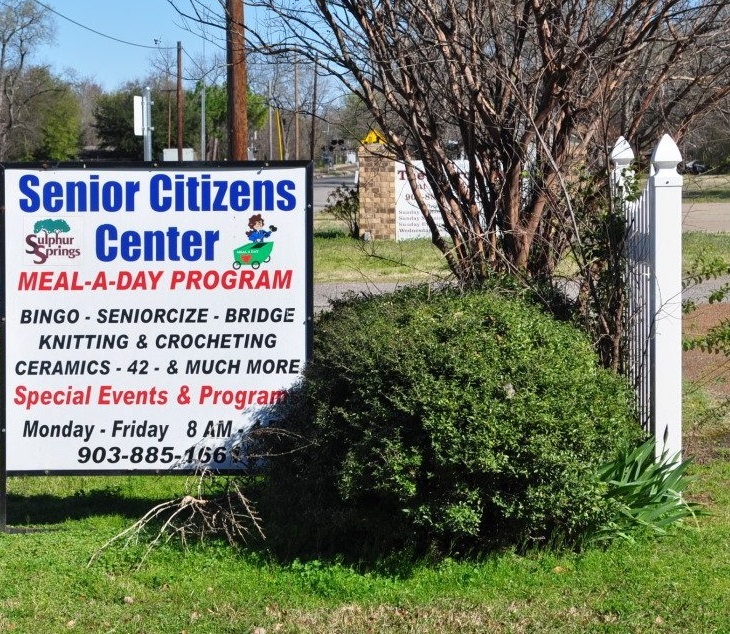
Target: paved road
column 324, row 185
column 710, row 217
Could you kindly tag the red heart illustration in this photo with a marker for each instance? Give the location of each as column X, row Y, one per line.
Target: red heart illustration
column 246, row 258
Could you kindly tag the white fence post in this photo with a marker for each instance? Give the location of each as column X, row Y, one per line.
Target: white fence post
column 654, row 292
column 621, row 157
column 665, row 196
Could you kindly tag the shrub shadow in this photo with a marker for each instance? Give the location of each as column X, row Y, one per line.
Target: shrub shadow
column 42, row 510
column 330, row 234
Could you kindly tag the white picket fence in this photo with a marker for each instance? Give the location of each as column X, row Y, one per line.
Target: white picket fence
column 654, row 284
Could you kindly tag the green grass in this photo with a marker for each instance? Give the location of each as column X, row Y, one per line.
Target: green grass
column 706, row 188
column 678, row 584
column 706, row 246
column 341, row 259
column 706, row 423
column 338, row 258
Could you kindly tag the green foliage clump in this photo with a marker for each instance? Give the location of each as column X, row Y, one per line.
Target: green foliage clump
column 646, row 493
column 448, row 420
column 344, row 204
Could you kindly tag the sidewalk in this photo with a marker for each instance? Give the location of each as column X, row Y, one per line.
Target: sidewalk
column 324, row 292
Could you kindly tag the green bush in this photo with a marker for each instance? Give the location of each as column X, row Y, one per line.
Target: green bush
column 444, row 419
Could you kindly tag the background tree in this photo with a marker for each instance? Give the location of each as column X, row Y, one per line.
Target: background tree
column 114, row 116
column 60, row 126
column 536, row 92
column 114, row 119
column 353, row 117
column 47, row 118
column 216, row 115
column 24, row 25
column 87, row 94
column 530, row 87
column 305, row 100
column 709, row 141
column 308, row 94
column 216, row 118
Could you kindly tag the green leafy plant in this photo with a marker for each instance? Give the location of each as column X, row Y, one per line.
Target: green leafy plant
column 344, row 204
column 646, row 494
column 703, row 269
column 446, row 420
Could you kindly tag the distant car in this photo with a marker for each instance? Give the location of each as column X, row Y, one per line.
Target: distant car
column 694, row 167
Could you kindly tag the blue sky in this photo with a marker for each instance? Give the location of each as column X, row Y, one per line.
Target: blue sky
column 139, row 23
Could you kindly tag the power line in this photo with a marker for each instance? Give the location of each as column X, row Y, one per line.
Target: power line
column 109, row 37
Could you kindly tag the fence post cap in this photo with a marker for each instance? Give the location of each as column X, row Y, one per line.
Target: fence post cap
column 666, row 154
column 622, row 154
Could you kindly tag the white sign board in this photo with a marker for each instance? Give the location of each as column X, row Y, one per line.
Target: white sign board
column 409, row 221
column 151, row 315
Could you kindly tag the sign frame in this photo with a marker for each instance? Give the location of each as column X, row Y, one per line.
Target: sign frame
column 301, row 313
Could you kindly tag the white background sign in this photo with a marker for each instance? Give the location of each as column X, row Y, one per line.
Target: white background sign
column 409, row 221
column 150, row 315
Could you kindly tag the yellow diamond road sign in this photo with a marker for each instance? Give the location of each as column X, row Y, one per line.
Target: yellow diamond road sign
column 374, row 137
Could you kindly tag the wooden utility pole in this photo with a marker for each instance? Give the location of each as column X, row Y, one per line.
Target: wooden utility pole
column 180, row 104
column 296, row 107
column 314, row 113
column 271, row 125
column 237, row 82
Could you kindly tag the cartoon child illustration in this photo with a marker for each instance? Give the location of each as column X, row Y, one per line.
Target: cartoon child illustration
column 258, row 233
column 257, row 251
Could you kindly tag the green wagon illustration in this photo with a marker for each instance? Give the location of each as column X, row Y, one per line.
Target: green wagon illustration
column 252, row 254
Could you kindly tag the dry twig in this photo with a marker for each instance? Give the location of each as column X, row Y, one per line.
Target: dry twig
column 212, row 511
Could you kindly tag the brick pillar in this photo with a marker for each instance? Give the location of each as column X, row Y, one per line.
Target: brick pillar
column 377, row 192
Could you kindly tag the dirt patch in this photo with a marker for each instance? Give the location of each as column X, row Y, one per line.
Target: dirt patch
column 706, row 431
column 711, row 371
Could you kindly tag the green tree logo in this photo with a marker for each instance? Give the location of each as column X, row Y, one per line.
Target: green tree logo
column 51, row 226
